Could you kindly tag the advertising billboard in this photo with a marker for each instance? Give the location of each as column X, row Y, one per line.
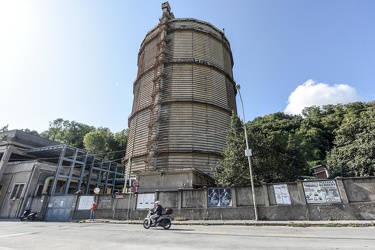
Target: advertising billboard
column 321, row 192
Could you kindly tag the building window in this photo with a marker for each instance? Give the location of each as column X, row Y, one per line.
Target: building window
column 17, row 191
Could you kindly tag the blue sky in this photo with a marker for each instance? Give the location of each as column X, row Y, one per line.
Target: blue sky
column 77, row 59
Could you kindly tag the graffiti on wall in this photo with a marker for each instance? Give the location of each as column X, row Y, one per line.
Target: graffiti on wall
column 219, row 197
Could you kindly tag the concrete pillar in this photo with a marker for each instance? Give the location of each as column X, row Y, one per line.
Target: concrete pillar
column 156, row 195
column 179, row 200
column 4, row 160
column 301, row 192
column 342, row 191
column 135, row 200
column 132, row 199
column 234, row 196
column 114, row 206
column 205, row 198
column 74, row 206
column 266, row 195
column 44, row 199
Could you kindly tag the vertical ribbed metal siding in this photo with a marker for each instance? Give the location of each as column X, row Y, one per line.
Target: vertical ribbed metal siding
column 182, row 44
column 202, row 84
column 227, row 63
column 194, row 126
column 231, row 95
column 150, row 55
column 141, row 136
column 201, row 46
column 197, row 97
column 181, row 82
column 219, row 92
column 216, row 53
column 144, row 91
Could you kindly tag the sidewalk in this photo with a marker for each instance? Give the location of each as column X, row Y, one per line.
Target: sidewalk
column 346, row 223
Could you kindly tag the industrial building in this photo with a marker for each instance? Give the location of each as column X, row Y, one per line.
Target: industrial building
column 184, row 95
column 34, row 170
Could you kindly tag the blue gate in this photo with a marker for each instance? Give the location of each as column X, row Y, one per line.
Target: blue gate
column 60, row 208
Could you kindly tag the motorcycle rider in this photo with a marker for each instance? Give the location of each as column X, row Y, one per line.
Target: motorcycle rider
column 156, row 212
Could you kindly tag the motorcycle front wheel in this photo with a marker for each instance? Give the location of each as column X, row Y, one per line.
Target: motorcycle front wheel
column 167, row 225
column 146, row 224
column 22, row 218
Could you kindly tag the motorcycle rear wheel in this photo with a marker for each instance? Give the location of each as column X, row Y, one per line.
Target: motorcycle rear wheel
column 146, row 224
column 167, row 225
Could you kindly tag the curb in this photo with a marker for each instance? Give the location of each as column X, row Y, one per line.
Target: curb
column 366, row 223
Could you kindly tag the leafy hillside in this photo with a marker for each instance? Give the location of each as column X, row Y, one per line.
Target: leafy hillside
column 285, row 147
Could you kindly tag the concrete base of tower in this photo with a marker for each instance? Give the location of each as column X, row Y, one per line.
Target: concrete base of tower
column 172, row 180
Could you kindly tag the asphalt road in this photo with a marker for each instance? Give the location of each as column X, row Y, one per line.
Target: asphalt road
column 72, row 235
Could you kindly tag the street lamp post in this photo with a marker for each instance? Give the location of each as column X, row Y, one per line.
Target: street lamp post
column 248, row 154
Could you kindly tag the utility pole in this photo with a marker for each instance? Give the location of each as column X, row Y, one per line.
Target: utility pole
column 248, row 154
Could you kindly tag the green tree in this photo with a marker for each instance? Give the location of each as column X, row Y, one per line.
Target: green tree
column 277, row 153
column 354, row 145
column 317, row 131
column 118, row 145
column 67, row 132
column 100, row 141
column 105, row 144
column 233, row 168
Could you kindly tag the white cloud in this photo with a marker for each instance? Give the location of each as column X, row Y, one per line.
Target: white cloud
column 311, row 93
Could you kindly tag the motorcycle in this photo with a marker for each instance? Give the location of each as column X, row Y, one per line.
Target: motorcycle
column 164, row 220
column 28, row 215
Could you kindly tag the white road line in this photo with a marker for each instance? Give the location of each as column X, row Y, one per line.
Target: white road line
column 15, row 235
column 293, row 235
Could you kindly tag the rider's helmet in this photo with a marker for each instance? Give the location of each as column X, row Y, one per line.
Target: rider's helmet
column 157, row 202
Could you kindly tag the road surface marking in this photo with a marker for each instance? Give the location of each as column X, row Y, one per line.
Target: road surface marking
column 15, row 235
column 293, row 235
column 253, row 235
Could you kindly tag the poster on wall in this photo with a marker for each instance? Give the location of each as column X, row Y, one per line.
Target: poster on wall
column 282, row 194
column 145, row 201
column 219, row 197
column 105, row 202
column 321, row 192
column 85, row 202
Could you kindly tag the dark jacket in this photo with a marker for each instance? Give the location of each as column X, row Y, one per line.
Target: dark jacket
column 158, row 210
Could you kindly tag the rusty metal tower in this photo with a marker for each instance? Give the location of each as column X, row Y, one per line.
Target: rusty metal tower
column 184, row 95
